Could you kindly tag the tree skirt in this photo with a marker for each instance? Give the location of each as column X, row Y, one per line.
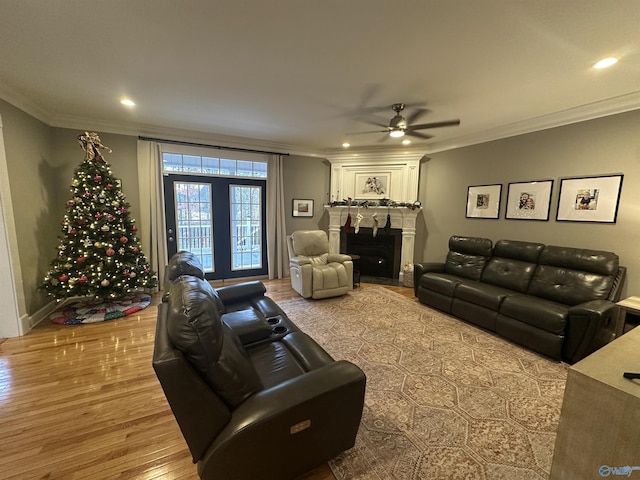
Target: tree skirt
column 92, row 311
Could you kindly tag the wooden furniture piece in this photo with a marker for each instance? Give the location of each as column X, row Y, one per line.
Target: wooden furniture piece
column 628, row 305
column 599, row 428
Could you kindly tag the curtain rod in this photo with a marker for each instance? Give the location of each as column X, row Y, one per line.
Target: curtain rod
column 192, row 144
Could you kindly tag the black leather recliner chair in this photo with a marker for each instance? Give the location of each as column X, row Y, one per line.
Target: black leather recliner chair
column 273, row 407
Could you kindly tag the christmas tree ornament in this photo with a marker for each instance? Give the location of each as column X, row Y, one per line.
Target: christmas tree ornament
column 104, row 283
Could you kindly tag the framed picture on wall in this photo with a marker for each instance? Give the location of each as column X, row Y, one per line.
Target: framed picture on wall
column 529, row 200
column 372, row 185
column 483, row 201
column 302, row 207
column 589, row 199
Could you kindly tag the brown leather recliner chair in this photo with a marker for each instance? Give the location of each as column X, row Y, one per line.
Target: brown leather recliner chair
column 272, row 409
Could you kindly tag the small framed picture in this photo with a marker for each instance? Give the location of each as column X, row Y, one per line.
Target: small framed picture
column 589, row 199
column 302, row 207
column 483, row 201
column 529, row 200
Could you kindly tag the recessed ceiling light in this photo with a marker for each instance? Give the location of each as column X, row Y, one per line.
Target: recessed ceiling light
column 127, row 102
column 605, row 62
column 346, row 144
column 406, row 141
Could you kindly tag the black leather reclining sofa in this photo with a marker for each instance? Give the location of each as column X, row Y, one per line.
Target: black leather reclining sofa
column 255, row 398
column 558, row 301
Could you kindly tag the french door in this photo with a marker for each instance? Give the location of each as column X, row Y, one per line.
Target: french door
column 221, row 220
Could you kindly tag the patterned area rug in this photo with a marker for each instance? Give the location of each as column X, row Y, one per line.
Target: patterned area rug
column 92, row 311
column 445, row 400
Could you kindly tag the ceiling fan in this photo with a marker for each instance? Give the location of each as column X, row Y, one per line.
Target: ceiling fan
column 400, row 126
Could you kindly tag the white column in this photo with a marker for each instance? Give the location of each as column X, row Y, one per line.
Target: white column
column 335, row 225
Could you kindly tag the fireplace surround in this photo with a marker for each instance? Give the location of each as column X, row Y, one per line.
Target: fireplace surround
column 403, row 222
column 372, row 177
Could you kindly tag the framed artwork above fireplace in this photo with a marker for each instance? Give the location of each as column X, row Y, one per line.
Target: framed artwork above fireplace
column 373, row 185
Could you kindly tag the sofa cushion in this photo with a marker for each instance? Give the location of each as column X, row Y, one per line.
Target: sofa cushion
column 440, row 282
column 485, row 295
column 508, row 273
column 274, row 363
column 594, row 261
column 310, row 243
column 537, row 312
column 326, row 277
column 569, row 287
column 467, row 256
column 195, row 328
column 517, row 250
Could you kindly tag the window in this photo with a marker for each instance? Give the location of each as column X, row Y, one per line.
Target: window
column 203, row 165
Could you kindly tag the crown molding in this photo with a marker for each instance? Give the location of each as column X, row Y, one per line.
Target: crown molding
column 24, row 103
column 375, row 154
column 582, row 113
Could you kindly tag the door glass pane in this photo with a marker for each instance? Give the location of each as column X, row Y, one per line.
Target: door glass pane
column 246, row 227
column 194, row 221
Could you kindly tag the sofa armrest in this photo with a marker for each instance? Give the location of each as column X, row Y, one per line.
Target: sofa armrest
column 241, row 292
column 421, row 268
column 591, row 325
column 310, row 418
column 300, row 260
column 338, row 257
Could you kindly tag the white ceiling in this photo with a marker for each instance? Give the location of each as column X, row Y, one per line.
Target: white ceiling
column 296, row 74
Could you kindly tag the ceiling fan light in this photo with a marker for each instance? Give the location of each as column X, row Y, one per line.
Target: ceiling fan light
column 396, row 133
column 605, row 62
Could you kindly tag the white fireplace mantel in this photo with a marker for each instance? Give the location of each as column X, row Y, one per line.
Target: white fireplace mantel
column 398, row 173
column 401, row 218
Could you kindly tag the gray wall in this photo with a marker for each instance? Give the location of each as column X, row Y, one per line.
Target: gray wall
column 32, row 181
column 601, row 146
column 306, row 178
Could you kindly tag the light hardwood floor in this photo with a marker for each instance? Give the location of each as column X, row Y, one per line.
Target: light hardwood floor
column 83, row 402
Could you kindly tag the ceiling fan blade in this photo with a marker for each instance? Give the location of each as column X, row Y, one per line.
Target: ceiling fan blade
column 446, row 123
column 364, row 133
column 416, row 115
column 384, row 138
column 417, row 135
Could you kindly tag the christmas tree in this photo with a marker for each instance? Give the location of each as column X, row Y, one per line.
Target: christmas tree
column 99, row 254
